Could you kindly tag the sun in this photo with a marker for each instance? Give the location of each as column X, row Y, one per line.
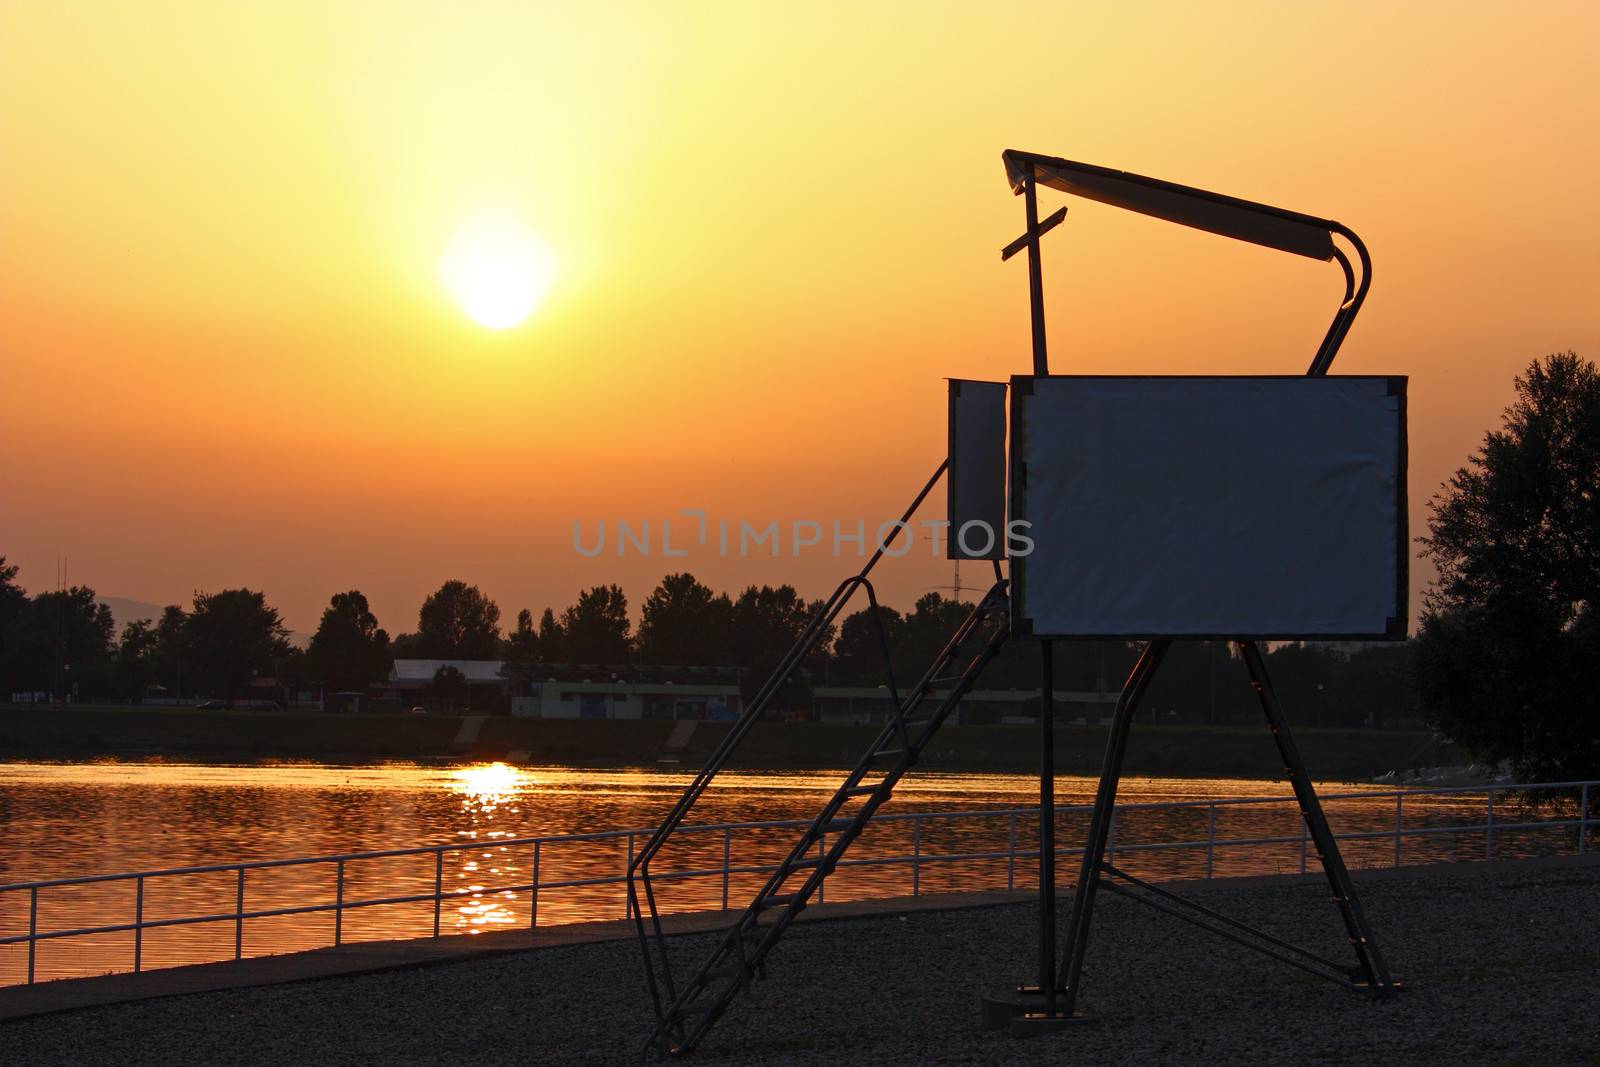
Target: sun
column 497, row 269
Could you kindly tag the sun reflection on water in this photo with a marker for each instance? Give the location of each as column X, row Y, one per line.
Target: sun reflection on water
column 486, row 792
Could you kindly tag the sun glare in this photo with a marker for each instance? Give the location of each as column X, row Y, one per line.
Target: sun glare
column 497, row 269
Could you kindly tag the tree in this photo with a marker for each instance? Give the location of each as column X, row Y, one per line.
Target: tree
column 172, row 649
column 858, row 652
column 1508, row 656
column 459, row 622
column 136, row 658
column 59, row 640
column 552, row 640
column 13, row 602
column 926, row 631
column 449, row 685
column 595, row 629
column 766, row 623
column 522, row 646
column 349, row 651
column 231, row 637
column 683, row 623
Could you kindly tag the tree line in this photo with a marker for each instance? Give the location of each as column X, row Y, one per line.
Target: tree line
column 62, row 643
column 1506, row 660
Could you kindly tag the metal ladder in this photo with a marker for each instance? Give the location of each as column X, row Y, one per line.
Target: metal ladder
column 684, row 1018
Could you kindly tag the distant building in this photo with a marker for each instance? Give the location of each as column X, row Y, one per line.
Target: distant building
column 410, row 681
column 628, row 700
column 871, row 704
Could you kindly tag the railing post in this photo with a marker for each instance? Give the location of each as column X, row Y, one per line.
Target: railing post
column 238, row 917
column 438, row 887
column 1488, row 829
column 1111, row 840
column 727, row 862
column 916, row 855
column 1583, row 816
column 1211, row 838
column 1399, row 798
column 338, row 906
column 138, row 923
column 533, row 894
column 1304, row 834
column 627, row 901
column 33, row 928
column 1011, row 855
column 822, row 884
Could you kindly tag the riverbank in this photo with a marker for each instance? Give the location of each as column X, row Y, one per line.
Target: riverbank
column 1500, row 963
column 34, row 732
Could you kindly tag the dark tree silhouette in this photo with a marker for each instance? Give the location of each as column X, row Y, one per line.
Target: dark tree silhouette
column 595, row 629
column 232, row 637
column 136, row 659
column 350, row 650
column 60, row 639
column 858, row 651
column 684, row 623
column 172, row 650
column 522, row 645
column 552, row 640
column 766, row 622
column 13, row 602
column 459, row 622
column 1508, row 660
column 449, row 687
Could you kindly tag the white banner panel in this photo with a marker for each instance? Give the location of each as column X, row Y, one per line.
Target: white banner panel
column 1210, row 507
column 976, row 480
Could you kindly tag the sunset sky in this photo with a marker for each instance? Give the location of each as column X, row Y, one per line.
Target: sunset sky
column 228, row 356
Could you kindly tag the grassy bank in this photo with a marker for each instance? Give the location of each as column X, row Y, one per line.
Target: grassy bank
column 1165, row 751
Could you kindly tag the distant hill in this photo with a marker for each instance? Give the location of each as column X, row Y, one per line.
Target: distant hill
column 124, row 611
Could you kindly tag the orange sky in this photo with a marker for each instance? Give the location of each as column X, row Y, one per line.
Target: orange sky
column 228, row 357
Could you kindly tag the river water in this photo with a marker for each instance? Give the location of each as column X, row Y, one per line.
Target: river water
column 68, row 819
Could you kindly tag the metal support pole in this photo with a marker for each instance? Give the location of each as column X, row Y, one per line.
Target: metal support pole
column 1583, row 816
column 33, row 929
column 438, row 888
column 338, row 906
column 916, row 855
column 1047, row 824
column 1041, row 361
column 1011, row 855
column 1399, row 799
column 1373, row 967
column 822, row 852
column 1105, row 800
column 533, row 893
column 138, row 923
column 727, row 862
column 627, row 899
column 1488, row 828
column 1211, row 838
column 238, row 917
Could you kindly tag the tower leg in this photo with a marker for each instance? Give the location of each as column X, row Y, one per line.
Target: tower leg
column 1105, row 801
column 1373, row 968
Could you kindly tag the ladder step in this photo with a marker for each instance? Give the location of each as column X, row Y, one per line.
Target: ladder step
column 835, row 826
column 778, row 900
column 887, row 755
column 805, row 862
column 862, row 790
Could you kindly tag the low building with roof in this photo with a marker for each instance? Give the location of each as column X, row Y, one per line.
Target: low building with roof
column 872, row 704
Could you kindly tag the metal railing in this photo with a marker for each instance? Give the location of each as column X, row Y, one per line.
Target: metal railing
column 917, row 859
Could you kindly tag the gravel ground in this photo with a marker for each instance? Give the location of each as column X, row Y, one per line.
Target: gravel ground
column 1503, row 967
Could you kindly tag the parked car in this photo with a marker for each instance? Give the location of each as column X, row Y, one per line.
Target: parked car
column 211, row 705
column 419, row 710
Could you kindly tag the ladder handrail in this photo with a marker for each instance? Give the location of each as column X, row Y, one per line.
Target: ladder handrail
column 730, row 959
column 780, row 675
